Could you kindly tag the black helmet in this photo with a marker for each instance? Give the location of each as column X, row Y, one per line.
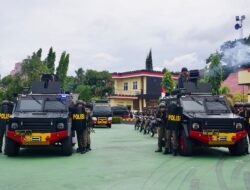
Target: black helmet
column 184, row 69
column 162, row 105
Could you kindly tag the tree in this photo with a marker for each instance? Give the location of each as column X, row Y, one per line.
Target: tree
column 100, row 82
column 10, row 85
column 215, row 73
column 80, row 76
column 50, row 60
column 62, row 69
column 168, row 81
column 239, row 97
column 224, row 90
column 39, row 53
column 70, row 84
column 149, row 62
column 85, row 92
column 32, row 68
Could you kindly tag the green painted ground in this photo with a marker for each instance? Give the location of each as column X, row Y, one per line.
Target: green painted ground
column 124, row 159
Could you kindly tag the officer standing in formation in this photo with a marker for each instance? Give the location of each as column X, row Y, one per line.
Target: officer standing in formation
column 5, row 111
column 174, row 119
column 161, row 117
column 79, row 124
column 247, row 121
column 89, row 125
column 247, row 116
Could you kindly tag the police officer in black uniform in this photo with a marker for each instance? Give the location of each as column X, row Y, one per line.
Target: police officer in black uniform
column 5, row 111
column 183, row 77
column 247, row 120
column 161, row 119
column 79, row 124
column 174, row 121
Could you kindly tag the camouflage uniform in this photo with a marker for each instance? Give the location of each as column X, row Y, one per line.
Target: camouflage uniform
column 89, row 125
column 161, row 117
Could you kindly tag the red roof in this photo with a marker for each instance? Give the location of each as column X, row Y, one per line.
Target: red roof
column 123, row 97
column 232, row 83
column 140, row 73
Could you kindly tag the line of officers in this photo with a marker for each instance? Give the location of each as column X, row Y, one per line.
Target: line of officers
column 167, row 130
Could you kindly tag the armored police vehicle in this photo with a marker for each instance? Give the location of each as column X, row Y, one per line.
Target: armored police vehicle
column 40, row 118
column 204, row 119
column 102, row 113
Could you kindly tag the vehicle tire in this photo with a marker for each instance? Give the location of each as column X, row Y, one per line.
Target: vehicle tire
column 185, row 145
column 239, row 148
column 11, row 147
column 67, row 147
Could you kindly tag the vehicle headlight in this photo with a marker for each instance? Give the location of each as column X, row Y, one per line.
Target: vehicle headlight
column 94, row 118
column 14, row 126
column 238, row 126
column 109, row 118
column 60, row 126
column 195, row 126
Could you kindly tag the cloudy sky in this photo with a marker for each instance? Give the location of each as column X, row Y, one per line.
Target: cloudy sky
column 116, row 35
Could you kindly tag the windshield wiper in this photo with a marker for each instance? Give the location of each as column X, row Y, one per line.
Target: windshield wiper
column 197, row 101
column 36, row 100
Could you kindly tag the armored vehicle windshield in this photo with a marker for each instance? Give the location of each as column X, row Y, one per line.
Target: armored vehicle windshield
column 40, row 104
column 205, row 104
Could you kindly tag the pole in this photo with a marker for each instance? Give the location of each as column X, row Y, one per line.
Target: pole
column 241, row 29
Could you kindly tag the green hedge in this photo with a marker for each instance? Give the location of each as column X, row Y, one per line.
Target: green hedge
column 116, row 120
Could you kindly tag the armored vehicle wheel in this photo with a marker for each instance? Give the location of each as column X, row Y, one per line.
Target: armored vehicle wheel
column 67, row 147
column 239, row 148
column 109, row 126
column 11, row 147
column 185, row 145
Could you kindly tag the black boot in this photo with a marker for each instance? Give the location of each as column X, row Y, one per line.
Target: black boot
column 83, row 150
column 175, row 152
column 1, row 150
column 159, row 150
column 88, row 147
column 166, row 151
column 78, row 150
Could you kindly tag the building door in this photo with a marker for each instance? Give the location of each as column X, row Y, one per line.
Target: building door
column 136, row 105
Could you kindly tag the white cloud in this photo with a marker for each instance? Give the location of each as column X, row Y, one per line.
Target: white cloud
column 125, row 30
column 191, row 61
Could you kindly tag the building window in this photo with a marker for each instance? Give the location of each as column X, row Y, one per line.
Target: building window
column 125, row 87
column 135, row 85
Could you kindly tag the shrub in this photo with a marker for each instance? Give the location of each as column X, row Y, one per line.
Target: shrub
column 116, row 120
